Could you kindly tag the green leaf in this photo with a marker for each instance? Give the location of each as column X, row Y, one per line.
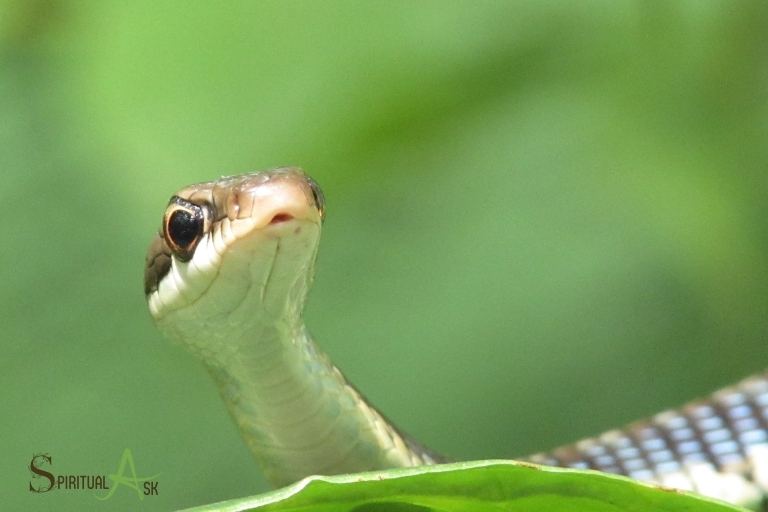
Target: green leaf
column 492, row 485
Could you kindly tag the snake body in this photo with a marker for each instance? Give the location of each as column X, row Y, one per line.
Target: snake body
column 227, row 276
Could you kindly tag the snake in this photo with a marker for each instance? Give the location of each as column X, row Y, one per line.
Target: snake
column 227, row 276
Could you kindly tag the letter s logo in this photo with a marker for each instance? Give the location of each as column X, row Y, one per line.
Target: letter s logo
column 36, row 459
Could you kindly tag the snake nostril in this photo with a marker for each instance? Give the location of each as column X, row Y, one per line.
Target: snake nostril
column 281, row 217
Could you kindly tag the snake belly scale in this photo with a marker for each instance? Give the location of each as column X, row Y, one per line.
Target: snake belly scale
column 227, row 276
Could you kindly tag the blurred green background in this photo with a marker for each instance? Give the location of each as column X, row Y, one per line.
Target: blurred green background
column 545, row 219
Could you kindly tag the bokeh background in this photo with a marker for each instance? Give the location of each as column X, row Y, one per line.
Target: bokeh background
column 545, row 219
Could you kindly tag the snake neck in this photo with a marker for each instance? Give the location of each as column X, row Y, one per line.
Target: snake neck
column 227, row 277
column 298, row 414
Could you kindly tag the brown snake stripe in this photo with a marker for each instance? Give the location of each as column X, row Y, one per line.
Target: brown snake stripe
column 716, row 446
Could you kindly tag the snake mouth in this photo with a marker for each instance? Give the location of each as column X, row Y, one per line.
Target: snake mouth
column 279, row 218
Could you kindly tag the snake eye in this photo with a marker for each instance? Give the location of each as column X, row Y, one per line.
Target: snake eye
column 183, row 227
column 317, row 195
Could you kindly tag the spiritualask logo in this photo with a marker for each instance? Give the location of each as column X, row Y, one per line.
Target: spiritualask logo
column 43, row 480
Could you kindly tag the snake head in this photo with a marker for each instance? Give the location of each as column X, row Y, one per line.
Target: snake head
column 236, row 240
